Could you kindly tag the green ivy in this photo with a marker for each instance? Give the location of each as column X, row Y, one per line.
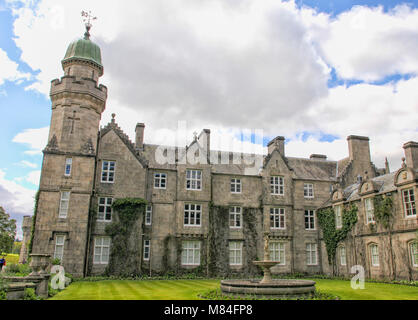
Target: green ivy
column 383, row 210
column 32, row 231
column 125, row 252
column 332, row 235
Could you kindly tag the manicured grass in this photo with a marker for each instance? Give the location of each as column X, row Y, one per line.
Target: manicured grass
column 189, row 289
column 11, row 258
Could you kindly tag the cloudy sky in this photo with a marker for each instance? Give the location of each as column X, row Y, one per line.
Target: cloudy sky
column 312, row 71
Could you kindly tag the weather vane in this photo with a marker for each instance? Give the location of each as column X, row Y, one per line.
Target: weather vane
column 87, row 18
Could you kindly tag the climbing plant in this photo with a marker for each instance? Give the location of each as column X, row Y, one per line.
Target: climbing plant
column 125, row 249
column 383, row 210
column 32, row 230
column 332, row 235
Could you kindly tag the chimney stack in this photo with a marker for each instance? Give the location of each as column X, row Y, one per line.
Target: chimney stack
column 139, row 135
column 411, row 154
column 276, row 143
column 358, row 148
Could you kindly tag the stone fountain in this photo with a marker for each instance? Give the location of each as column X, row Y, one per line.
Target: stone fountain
column 268, row 287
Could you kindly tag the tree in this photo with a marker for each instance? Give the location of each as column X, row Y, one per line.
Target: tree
column 7, row 232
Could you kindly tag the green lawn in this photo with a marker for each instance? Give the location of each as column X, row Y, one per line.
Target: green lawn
column 11, row 258
column 189, row 289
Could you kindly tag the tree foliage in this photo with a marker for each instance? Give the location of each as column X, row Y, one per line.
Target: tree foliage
column 7, row 231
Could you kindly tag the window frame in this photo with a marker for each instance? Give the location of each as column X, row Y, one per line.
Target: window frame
column 148, row 215
column 279, row 185
column 281, row 214
column 68, row 164
column 374, row 255
column 197, row 214
column 160, row 179
column 369, row 210
column 60, row 245
column 280, row 251
column 147, row 253
column 192, row 249
column 61, row 208
column 413, row 250
column 235, row 213
column 308, row 187
column 235, row 253
column 412, row 203
column 108, row 171
column 338, row 216
column 190, row 179
column 106, row 205
column 311, row 215
column 101, row 246
column 343, row 257
column 235, row 183
column 309, row 253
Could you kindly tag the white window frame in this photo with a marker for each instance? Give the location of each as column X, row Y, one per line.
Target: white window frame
column 148, row 215
column 192, row 215
column 101, row 245
column 409, row 203
column 108, row 173
column 190, row 255
column 235, row 217
column 369, row 210
column 413, row 246
column 147, row 250
column 338, row 216
column 277, row 215
column 106, row 205
column 194, row 179
column 308, row 190
column 374, row 255
column 59, row 246
column 343, row 255
column 311, row 252
column 236, row 186
column 64, row 204
column 235, row 253
column 277, row 185
column 160, row 180
column 277, row 251
column 310, row 215
column 69, row 166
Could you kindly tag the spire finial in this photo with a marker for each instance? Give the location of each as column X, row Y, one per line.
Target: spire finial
column 87, row 18
column 113, row 117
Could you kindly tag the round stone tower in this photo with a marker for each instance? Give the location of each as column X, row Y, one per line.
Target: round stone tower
column 66, row 186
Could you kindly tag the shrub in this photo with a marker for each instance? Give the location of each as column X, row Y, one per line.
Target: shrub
column 30, row 294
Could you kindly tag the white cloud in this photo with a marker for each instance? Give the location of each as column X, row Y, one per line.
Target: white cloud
column 367, row 43
column 25, row 163
column 231, row 64
column 9, row 71
column 33, row 177
column 36, row 139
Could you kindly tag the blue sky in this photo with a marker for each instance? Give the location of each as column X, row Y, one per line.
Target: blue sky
column 313, row 87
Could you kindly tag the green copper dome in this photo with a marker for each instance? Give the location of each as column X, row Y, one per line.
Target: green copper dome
column 84, row 49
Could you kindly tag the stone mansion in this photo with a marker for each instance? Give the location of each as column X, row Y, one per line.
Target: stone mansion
column 213, row 212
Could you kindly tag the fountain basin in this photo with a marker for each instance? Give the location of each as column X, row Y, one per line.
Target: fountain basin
column 276, row 288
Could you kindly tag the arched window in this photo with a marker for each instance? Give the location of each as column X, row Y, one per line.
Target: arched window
column 374, row 254
column 413, row 249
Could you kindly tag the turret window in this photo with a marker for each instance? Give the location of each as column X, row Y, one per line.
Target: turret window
column 64, row 203
column 108, row 171
column 68, row 165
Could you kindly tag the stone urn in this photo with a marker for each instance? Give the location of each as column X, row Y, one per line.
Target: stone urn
column 39, row 263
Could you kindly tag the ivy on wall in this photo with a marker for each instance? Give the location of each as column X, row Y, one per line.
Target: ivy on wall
column 32, row 230
column 332, row 235
column 383, row 210
column 125, row 231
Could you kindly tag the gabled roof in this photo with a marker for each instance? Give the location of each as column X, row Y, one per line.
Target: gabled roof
column 113, row 126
